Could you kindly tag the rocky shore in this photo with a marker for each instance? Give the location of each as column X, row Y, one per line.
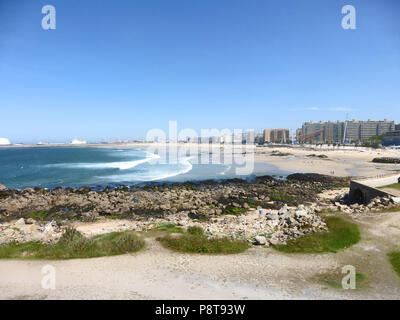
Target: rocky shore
column 230, row 208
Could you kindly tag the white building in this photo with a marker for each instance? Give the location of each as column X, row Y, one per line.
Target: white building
column 76, row 141
column 4, row 142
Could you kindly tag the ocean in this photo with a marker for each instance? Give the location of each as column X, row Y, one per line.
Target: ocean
column 51, row 167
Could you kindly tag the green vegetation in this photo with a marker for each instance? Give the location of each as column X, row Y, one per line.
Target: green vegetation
column 194, row 241
column 281, row 196
column 394, row 258
column 342, row 234
column 169, row 227
column 195, row 231
column 335, row 280
column 373, row 142
column 73, row 245
column 386, row 160
column 392, row 186
column 234, row 211
column 38, row 215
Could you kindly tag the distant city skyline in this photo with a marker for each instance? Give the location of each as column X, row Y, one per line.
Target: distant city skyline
column 116, row 70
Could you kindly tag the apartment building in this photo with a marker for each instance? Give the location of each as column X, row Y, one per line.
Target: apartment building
column 350, row 131
column 276, row 135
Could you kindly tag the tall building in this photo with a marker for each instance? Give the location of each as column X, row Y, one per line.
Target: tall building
column 391, row 138
column 339, row 131
column 276, row 135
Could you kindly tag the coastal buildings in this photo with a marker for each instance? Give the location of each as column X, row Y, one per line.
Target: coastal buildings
column 5, row 142
column 276, row 135
column 391, row 138
column 354, row 131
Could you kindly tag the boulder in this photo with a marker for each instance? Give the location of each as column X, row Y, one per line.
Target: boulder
column 274, row 241
column 30, row 221
column 301, row 213
column 260, row 240
column 20, row 222
column 272, row 216
column 283, row 210
column 2, row 187
column 396, row 200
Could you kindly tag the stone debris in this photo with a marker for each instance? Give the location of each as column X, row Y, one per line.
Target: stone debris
column 20, row 232
column 377, row 204
column 229, row 209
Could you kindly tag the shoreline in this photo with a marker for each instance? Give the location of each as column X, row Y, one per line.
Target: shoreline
column 254, row 274
column 338, row 162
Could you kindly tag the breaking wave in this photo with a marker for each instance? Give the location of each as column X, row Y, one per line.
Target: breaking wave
column 121, row 165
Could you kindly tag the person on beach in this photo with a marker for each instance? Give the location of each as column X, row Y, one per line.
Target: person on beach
column 260, row 212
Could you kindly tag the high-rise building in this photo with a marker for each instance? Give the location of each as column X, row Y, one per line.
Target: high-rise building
column 348, row 131
column 391, row 138
column 276, row 135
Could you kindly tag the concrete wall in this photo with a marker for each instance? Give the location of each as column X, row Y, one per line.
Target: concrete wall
column 362, row 193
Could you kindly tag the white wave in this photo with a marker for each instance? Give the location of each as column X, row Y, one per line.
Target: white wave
column 152, row 175
column 121, row 165
column 188, row 167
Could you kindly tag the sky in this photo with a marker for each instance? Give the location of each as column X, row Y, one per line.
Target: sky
column 116, row 69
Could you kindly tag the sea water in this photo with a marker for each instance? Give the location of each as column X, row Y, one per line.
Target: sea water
column 51, row 167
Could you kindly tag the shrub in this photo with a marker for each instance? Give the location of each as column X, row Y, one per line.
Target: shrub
column 199, row 243
column 342, row 234
column 73, row 244
column 394, row 258
column 169, row 227
column 195, row 230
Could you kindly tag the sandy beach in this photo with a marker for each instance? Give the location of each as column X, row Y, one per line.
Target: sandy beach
column 342, row 162
column 356, row 162
column 259, row 273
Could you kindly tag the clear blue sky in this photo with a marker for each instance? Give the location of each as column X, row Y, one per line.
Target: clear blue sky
column 115, row 69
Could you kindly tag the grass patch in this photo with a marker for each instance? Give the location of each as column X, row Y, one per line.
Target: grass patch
column 394, row 258
column 194, row 241
column 195, row 231
column 280, row 196
column 392, row 186
column 335, row 280
column 169, row 227
column 236, row 211
column 73, row 245
column 341, row 235
column 38, row 215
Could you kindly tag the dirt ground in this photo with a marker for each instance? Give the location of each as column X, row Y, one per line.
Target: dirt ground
column 393, row 191
column 258, row 273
